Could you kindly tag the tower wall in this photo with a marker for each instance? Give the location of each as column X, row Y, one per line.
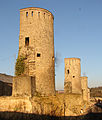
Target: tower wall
column 36, row 44
column 84, row 85
column 72, row 83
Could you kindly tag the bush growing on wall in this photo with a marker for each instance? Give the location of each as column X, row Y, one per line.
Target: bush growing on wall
column 20, row 66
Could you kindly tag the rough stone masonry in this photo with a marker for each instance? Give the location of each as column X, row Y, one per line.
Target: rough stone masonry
column 36, row 45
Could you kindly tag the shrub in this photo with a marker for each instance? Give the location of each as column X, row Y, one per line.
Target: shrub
column 20, row 66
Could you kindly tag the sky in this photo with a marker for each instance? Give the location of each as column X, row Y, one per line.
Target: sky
column 77, row 33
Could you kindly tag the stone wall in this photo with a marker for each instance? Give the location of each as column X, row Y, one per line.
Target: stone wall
column 59, row 105
column 72, row 83
column 23, row 86
column 20, row 104
column 84, row 84
column 36, row 44
column 88, row 94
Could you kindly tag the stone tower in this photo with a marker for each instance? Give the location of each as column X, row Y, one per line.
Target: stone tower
column 36, row 45
column 72, row 83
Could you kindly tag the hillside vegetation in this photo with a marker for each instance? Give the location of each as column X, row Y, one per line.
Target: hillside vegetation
column 96, row 92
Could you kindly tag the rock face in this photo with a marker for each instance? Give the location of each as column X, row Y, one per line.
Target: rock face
column 5, row 85
column 36, row 45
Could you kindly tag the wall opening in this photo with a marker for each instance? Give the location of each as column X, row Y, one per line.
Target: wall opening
column 38, row 54
column 32, row 13
column 68, row 71
column 44, row 15
column 38, row 14
column 27, row 41
column 26, row 14
column 73, row 76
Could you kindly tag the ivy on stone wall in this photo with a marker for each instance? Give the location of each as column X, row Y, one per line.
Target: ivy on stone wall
column 20, row 66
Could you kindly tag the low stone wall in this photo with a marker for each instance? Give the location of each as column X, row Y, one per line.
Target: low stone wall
column 23, row 86
column 15, row 104
column 59, row 105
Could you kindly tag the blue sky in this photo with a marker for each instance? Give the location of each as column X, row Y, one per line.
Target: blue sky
column 77, row 33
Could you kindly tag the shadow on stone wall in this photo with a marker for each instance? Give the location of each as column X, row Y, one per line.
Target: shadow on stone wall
column 26, row 116
column 5, row 89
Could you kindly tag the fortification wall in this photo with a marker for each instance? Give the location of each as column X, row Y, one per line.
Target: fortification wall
column 36, row 43
column 23, row 86
column 72, row 83
column 84, row 84
column 20, row 104
column 59, row 105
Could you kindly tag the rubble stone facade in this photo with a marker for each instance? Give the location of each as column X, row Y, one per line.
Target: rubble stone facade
column 23, row 86
column 72, row 83
column 36, row 45
column 84, row 85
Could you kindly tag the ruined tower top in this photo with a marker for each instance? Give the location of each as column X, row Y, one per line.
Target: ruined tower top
column 72, row 82
column 36, row 9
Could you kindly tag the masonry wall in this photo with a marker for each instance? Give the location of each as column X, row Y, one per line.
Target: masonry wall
column 20, row 104
column 72, row 83
column 88, row 94
column 59, row 105
column 23, row 86
column 37, row 25
column 84, row 84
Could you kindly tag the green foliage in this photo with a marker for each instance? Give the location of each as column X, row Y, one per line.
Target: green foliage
column 20, row 66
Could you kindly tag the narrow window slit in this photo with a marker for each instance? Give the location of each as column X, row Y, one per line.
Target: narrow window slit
column 44, row 15
column 26, row 14
column 32, row 13
column 27, row 41
column 39, row 14
column 68, row 71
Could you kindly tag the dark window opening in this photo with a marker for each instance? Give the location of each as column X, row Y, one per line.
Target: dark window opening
column 32, row 13
column 27, row 41
column 68, row 71
column 38, row 54
column 39, row 14
column 26, row 14
column 73, row 76
column 44, row 15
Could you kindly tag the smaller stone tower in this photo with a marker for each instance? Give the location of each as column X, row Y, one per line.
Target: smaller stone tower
column 72, row 83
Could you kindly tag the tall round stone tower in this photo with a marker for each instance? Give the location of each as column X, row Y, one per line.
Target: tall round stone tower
column 36, row 44
column 72, row 83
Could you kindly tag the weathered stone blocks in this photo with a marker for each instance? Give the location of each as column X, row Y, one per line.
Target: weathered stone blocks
column 23, row 86
column 36, row 42
column 72, row 76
